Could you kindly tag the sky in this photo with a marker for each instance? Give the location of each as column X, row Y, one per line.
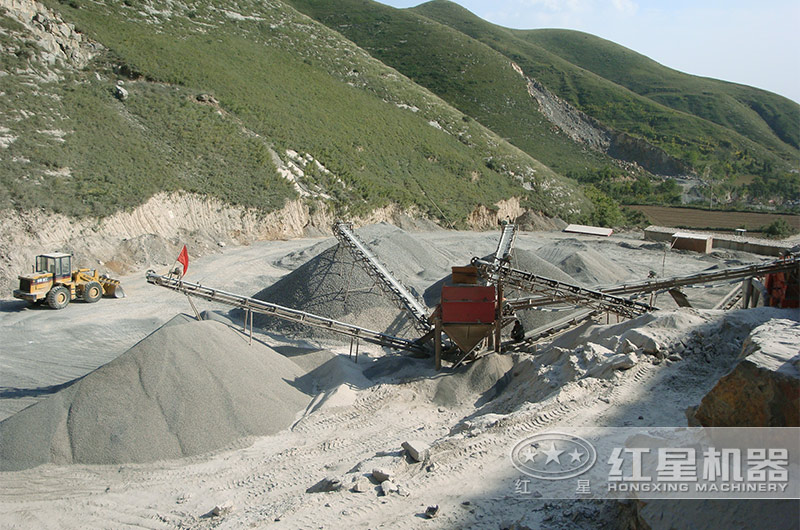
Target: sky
column 754, row 42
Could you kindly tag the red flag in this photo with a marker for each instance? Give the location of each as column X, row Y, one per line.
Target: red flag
column 183, row 259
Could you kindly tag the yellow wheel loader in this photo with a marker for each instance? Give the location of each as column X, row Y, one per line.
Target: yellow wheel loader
column 54, row 281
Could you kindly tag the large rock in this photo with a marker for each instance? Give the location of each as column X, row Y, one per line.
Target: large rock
column 763, row 390
column 417, row 450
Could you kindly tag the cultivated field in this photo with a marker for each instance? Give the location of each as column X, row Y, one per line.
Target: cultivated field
column 693, row 218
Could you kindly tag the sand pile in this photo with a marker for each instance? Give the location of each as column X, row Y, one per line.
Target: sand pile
column 474, row 384
column 531, row 262
column 582, row 263
column 188, row 388
column 331, row 284
column 593, row 352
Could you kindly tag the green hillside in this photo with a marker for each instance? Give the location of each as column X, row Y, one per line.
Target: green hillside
column 764, row 117
column 472, row 77
column 218, row 96
column 256, row 103
column 728, row 129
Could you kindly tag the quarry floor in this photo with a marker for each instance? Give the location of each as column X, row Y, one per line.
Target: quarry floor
column 353, row 427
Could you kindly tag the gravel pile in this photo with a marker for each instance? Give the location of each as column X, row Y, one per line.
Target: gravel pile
column 329, row 283
column 332, row 284
column 188, row 388
column 582, row 263
column 531, row 262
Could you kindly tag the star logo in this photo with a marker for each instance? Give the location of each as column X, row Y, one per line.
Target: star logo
column 540, row 456
column 553, row 454
column 576, row 456
column 528, row 454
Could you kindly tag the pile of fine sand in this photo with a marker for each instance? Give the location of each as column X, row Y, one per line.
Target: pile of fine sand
column 475, row 384
column 188, row 388
column 582, row 263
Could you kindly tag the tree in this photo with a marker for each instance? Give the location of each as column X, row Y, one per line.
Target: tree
column 606, row 211
column 778, row 228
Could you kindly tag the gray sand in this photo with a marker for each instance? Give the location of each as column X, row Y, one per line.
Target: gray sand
column 583, row 263
column 189, row 388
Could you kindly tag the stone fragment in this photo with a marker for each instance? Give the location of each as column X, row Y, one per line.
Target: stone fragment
column 432, row 511
column 381, row 474
column 417, row 450
column 120, row 93
column 221, row 509
column 361, row 485
column 387, row 487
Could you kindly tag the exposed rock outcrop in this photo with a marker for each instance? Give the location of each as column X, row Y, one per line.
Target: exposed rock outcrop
column 485, row 218
column 59, row 41
column 653, row 159
column 764, row 388
column 584, row 129
column 152, row 234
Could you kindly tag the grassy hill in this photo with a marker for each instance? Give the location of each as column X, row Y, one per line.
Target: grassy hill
column 727, row 129
column 359, row 106
column 472, row 77
column 766, row 118
column 734, row 132
column 218, row 98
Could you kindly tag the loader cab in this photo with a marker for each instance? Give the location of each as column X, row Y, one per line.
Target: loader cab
column 59, row 265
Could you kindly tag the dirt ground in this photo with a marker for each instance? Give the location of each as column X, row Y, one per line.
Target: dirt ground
column 360, row 415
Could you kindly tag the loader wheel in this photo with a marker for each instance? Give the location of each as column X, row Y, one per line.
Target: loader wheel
column 92, row 292
column 58, row 297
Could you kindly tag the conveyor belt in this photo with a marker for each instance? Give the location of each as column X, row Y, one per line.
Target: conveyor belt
column 558, row 327
column 662, row 285
column 560, row 291
column 294, row 315
column 505, row 244
column 383, row 278
column 748, row 271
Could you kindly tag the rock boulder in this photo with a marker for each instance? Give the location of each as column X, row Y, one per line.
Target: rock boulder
column 763, row 390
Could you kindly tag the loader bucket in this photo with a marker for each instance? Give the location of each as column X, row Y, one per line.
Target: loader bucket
column 112, row 288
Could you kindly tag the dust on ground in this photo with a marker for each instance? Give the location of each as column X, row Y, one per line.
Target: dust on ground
column 342, row 420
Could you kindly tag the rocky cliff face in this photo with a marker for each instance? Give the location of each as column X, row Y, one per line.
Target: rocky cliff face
column 59, row 42
column 151, row 235
column 148, row 236
column 584, row 129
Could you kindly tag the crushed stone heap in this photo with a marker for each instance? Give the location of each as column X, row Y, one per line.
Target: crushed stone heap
column 332, row 284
